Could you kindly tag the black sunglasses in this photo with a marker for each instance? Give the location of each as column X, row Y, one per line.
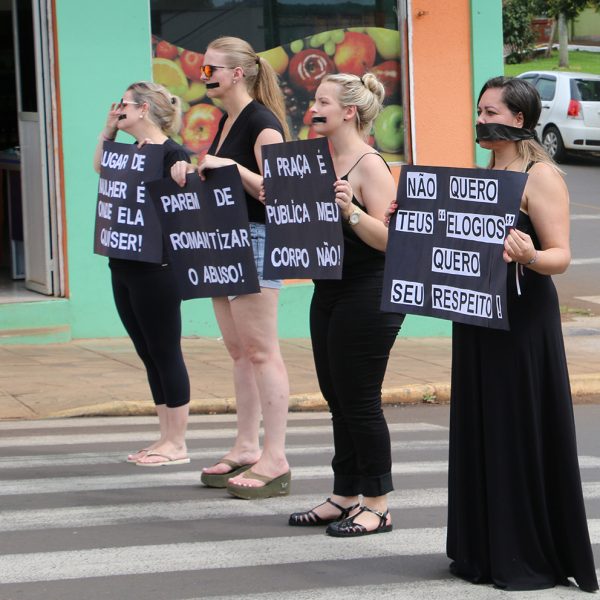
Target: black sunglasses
column 208, row 69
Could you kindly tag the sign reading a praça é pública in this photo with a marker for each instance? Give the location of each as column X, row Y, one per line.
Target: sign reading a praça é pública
column 206, row 230
column 303, row 229
column 126, row 225
column 445, row 245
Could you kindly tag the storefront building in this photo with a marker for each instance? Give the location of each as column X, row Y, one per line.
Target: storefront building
column 65, row 61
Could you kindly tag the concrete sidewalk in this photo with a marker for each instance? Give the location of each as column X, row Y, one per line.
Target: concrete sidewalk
column 105, row 377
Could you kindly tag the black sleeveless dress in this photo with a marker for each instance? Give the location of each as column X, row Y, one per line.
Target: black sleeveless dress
column 516, row 516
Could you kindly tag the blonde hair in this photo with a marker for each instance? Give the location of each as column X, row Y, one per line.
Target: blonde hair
column 164, row 109
column 530, row 151
column 260, row 77
column 366, row 93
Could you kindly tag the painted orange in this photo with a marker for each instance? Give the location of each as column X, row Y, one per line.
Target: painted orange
column 441, row 68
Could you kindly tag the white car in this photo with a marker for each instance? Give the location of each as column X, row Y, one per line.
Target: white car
column 570, row 119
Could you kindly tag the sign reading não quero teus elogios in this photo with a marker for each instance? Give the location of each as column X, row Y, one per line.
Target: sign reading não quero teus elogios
column 445, row 245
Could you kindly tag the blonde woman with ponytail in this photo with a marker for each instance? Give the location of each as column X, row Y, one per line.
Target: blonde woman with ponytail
column 351, row 337
column 247, row 89
column 516, row 516
column 146, row 294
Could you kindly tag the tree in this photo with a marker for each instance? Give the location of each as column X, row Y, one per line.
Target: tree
column 516, row 28
column 563, row 11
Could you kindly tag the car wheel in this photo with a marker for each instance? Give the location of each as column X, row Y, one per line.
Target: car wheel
column 552, row 142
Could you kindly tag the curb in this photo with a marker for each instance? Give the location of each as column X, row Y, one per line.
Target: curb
column 584, row 389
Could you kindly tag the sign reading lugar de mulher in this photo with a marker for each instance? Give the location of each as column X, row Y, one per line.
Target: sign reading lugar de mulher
column 126, row 225
column 206, row 230
column 445, row 244
column 303, row 228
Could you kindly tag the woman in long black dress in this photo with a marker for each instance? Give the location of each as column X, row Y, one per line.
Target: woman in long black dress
column 516, row 516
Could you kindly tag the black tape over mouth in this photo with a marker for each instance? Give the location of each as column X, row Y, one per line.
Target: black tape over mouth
column 319, row 120
column 493, row 132
column 210, row 86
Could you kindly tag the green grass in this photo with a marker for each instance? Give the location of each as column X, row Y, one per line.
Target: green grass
column 584, row 62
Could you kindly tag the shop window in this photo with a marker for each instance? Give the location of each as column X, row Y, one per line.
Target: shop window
column 301, row 39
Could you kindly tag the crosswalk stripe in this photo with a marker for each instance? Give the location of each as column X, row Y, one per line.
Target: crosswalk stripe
column 77, row 422
column 168, row 558
column 194, row 434
column 90, row 516
column 207, row 454
column 436, row 588
column 141, row 478
column 60, row 565
column 137, row 477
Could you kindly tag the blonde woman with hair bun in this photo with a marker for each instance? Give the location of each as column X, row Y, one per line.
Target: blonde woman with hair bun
column 247, row 88
column 146, row 294
column 351, row 337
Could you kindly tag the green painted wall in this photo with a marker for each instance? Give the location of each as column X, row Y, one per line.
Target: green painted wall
column 102, row 48
column 487, row 49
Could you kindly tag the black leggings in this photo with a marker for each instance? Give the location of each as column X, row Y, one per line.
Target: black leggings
column 149, row 304
column 351, row 341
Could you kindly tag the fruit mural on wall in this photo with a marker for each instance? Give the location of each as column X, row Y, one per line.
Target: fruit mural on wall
column 300, row 65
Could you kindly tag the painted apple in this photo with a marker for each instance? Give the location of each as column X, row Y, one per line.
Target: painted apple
column 200, row 125
column 356, row 54
column 386, row 40
column 307, row 118
column 195, row 92
column 277, row 58
column 191, row 63
column 389, row 129
column 308, row 67
column 388, row 73
column 165, row 50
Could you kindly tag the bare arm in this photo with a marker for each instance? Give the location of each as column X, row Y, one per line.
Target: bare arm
column 108, row 133
column 547, row 203
column 375, row 186
column 251, row 181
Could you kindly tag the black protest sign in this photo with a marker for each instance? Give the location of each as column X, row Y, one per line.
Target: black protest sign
column 445, row 244
column 205, row 225
column 303, row 229
column 126, row 224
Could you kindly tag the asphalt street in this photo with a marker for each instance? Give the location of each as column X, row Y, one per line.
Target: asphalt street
column 78, row 523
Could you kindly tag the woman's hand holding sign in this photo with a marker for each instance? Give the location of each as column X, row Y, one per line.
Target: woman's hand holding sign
column 343, row 197
column 212, row 162
column 180, row 170
column 519, row 248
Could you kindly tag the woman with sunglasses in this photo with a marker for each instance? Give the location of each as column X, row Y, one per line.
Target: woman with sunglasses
column 146, row 294
column 248, row 91
column 351, row 336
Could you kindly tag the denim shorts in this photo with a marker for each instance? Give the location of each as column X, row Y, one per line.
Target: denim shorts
column 257, row 237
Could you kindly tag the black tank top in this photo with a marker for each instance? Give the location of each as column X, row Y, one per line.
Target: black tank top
column 360, row 259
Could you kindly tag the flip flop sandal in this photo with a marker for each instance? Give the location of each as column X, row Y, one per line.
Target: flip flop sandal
column 275, row 486
column 133, row 458
column 167, row 460
column 219, row 480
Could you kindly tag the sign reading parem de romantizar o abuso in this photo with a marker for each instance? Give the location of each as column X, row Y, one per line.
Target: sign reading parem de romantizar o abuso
column 206, row 230
column 444, row 253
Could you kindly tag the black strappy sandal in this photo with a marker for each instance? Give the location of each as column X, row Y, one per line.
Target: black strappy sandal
column 348, row 528
column 310, row 518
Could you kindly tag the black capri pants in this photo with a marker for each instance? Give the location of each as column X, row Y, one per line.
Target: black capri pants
column 352, row 339
column 149, row 305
